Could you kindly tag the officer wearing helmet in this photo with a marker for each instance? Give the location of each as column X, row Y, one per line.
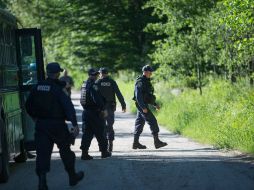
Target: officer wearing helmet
column 93, row 116
column 49, row 105
column 109, row 90
column 143, row 97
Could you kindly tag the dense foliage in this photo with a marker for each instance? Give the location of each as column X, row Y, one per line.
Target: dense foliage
column 84, row 33
column 204, row 37
column 186, row 39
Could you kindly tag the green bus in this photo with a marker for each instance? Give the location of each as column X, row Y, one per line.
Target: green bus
column 21, row 67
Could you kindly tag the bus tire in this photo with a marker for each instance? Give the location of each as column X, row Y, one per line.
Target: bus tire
column 4, row 158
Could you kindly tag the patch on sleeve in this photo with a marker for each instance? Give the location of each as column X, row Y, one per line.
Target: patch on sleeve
column 95, row 87
column 139, row 84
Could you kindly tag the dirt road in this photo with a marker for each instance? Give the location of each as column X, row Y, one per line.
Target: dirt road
column 183, row 164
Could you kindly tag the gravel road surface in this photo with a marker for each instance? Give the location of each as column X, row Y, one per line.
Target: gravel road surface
column 183, row 164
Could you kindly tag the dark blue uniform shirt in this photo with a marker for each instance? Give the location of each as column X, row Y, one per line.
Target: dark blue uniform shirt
column 109, row 88
column 90, row 96
column 48, row 100
column 143, row 93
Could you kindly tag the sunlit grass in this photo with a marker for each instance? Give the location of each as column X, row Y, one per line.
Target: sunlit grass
column 127, row 89
column 223, row 116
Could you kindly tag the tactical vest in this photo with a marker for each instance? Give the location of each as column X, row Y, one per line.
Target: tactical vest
column 107, row 89
column 44, row 102
column 86, row 100
column 147, row 90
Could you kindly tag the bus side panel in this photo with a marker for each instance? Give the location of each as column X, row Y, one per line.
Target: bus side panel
column 13, row 121
column 1, row 124
column 28, row 125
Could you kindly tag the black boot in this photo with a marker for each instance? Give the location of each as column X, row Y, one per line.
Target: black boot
column 157, row 142
column 42, row 182
column 30, row 155
column 105, row 154
column 74, row 177
column 86, row 156
column 110, row 146
column 136, row 144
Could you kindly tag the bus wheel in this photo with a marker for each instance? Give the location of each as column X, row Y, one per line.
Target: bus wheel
column 22, row 156
column 4, row 158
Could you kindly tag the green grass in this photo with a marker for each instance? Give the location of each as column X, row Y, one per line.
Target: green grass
column 127, row 89
column 223, row 116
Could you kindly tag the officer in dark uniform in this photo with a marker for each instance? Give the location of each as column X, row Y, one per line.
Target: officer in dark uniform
column 49, row 105
column 109, row 90
column 143, row 96
column 93, row 117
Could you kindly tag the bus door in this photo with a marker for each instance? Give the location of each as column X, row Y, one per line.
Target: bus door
column 31, row 70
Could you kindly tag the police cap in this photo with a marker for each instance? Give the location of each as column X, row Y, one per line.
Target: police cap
column 103, row 70
column 147, row 68
column 53, row 67
column 92, row 72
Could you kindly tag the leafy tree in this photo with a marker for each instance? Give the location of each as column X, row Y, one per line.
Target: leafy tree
column 84, row 33
column 2, row 4
column 203, row 37
column 182, row 22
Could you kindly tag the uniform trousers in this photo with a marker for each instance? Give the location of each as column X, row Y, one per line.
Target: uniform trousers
column 110, row 119
column 93, row 125
column 145, row 117
column 48, row 132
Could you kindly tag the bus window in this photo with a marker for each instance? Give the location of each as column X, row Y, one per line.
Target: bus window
column 26, row 46
column 28, row 60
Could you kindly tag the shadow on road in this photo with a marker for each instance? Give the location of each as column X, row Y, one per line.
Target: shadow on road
column 178, row 167
column 143, row 172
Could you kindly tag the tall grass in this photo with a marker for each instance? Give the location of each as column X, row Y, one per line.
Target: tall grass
column 127, row 89
column 223, row 116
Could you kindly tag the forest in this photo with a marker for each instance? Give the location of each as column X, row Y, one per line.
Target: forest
column 203, row 48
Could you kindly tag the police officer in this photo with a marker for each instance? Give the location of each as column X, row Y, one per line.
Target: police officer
column 109, row 90
column 50, row 106
column 69, row 81
column 93, row 117
column 143, row 96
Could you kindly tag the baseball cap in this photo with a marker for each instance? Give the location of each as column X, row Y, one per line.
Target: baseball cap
column 53, row 67
column 103, row 70
column 147, row 68
column 93, row 72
